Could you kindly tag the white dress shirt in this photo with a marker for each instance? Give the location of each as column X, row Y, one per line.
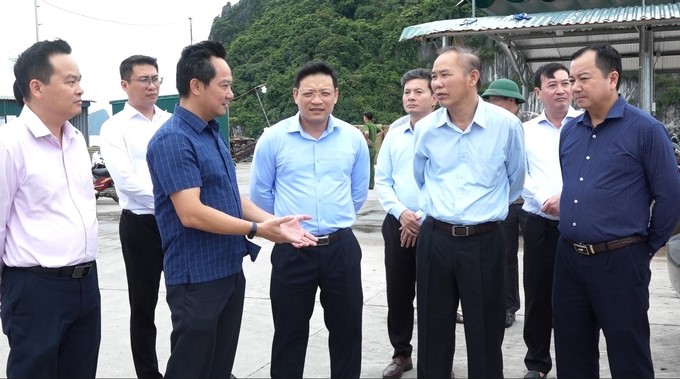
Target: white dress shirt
column 544, row 176
column 394, row 182
column 48, row 213
column 124, row 138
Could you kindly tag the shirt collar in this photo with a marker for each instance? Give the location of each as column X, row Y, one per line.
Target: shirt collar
column 131, row 112
column 479, row 118
column 39, row 129
column 404, row 128
column 196, row 123
column 296, row 126
column 571, row 113
column 616, row 111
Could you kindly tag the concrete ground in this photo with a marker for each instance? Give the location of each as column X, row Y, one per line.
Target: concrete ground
column 253, row 355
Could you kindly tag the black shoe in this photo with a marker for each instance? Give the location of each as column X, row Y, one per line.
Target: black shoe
column 398, row 366
column 509, row 319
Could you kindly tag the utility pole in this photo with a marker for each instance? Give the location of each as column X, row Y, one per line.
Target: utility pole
column 191, row 32
column 35, row 6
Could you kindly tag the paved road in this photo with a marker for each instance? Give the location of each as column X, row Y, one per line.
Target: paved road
column 253, row 355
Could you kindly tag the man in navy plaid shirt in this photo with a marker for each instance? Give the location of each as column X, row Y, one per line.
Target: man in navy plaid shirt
column 202, row 219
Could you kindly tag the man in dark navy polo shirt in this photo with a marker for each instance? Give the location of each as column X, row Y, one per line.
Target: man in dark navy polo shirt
column 202, row 219
column 617, row 161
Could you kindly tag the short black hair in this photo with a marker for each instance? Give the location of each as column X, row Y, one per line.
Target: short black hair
column 316, row 67
column 128, row 64
column 369, row 116
column 607, row 59
column 548, row 70
column 417, row 73
column 34, row 63
column 194, row 63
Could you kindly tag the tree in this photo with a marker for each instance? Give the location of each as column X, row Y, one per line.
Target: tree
column 267, row 41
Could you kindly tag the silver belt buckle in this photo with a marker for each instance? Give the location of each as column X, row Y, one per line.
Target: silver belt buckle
column 460, row 231
column 585, row 249
column 323, row 241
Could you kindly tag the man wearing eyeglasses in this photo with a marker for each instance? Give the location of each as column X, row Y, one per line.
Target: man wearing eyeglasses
column 124, row 138
column 316, row 164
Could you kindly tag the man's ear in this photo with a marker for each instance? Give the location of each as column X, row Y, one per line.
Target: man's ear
column 35, row 86
column 196, row 86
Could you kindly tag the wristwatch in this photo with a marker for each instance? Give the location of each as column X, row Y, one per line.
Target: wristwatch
column 253, row 230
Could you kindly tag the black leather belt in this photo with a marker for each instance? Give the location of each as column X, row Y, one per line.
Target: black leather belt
column 464, row 230
column 546, row 221
column 76, row 272
column 333, row 237
column 594, row 248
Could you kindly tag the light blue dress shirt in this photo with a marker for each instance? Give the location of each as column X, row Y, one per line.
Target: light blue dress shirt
column 394, row 182
column 293, row 173
column 469, row 177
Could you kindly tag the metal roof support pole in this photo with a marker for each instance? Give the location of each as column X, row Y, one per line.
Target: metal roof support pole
column 646, row 68
column 519, row 64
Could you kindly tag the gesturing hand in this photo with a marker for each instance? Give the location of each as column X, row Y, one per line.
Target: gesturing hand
column 287, row 229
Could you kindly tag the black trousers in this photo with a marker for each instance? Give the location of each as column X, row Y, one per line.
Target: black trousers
column 540, row 244
column 206, row 322
column 608, row 291
column 470, row 269
column 143, row 256
column 400, row 272
column 52, row 323
column 296, row 275
column 511, row 226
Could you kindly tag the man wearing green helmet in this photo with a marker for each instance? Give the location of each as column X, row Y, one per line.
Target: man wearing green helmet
column 505, row 93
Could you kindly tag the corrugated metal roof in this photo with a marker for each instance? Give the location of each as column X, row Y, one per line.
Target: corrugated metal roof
column 555, row 36
column 506, row 7
column 663, row 14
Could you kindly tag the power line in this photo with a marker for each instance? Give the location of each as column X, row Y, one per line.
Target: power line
column 108, row 20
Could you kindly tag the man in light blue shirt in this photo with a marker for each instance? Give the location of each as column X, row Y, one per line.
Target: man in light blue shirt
column 316, row 163
column 398, row 194
column 470, row 165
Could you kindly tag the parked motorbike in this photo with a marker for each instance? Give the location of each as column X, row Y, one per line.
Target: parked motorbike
column 103, row 184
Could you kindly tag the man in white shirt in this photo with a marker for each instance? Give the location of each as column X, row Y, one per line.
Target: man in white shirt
column 124, row 138
column 542, row 188
column 51, row 306
column 398, row 194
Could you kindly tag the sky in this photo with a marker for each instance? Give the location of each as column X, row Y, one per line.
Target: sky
column 102, row 34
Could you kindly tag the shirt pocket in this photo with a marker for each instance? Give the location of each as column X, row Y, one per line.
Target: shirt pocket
column 337, row 164
column 486, row 170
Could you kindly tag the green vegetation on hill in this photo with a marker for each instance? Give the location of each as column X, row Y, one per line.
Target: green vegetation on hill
column 268, row 40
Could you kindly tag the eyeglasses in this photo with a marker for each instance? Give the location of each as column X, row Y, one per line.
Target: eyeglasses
column 145, row 80
column 322, row 94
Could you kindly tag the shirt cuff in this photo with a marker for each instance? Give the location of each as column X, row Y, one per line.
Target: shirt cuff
column 397, row 210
